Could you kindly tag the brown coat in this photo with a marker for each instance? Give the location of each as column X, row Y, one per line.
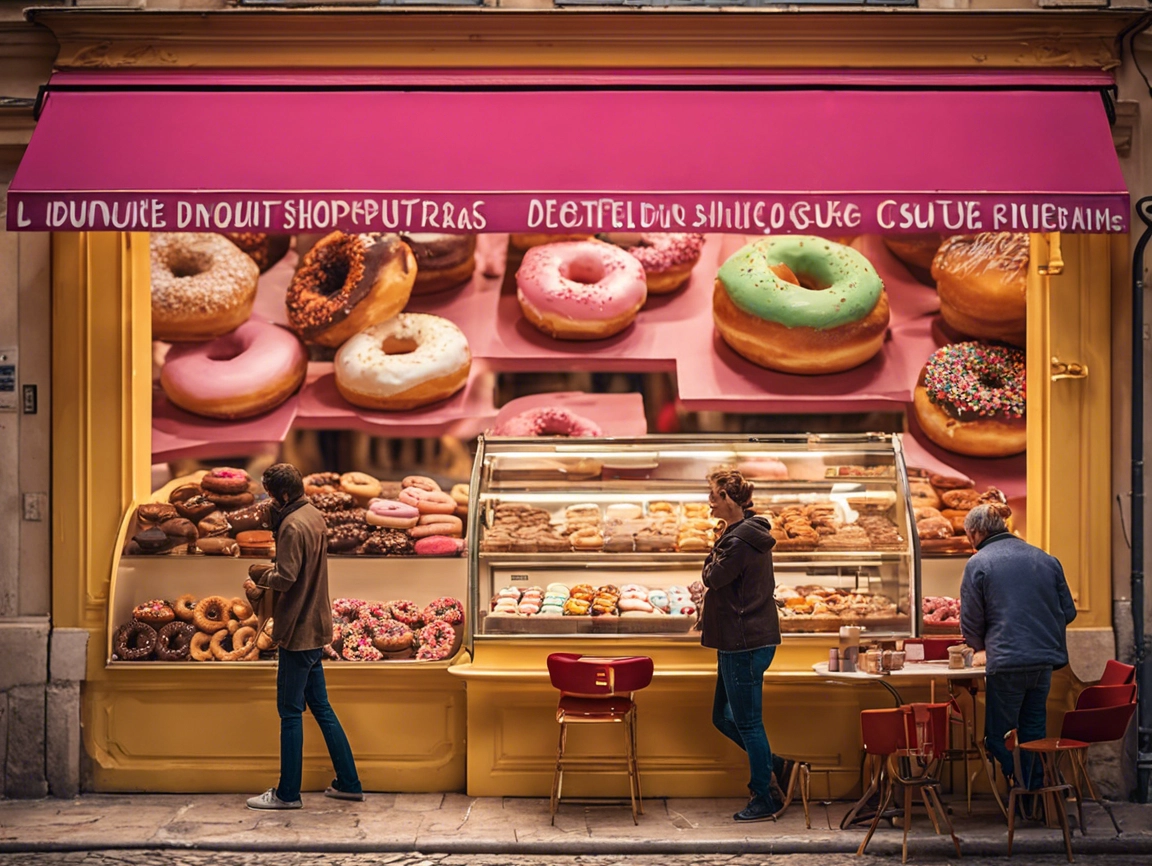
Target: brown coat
column 302, row 614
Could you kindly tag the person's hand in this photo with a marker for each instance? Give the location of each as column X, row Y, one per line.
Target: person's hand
column 251, row 590
column 980, row 659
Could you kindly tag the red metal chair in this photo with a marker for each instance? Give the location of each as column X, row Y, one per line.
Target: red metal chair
column 1082, row 727
column 918, row 735
column 1097, row 697
column 1050, row 792
column 598, row 691
column 1117, row 674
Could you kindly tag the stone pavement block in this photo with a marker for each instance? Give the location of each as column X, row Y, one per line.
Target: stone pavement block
column 418, row 802
column 68, row 655
column 24, row 763
column 92, row 821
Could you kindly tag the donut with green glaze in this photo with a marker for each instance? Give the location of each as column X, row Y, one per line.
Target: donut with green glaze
column 801, row 304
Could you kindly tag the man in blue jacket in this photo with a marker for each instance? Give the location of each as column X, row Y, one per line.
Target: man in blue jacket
column 1014, row 605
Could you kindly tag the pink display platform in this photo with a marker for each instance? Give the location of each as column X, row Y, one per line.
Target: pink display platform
column 616, row 414
column 178, row 434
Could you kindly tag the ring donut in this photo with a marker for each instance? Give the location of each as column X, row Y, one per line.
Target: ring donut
column 203, row 286
column 321, row 482
column 444, row 609
column 201, row 647
column 184, row 607
column 801, row 304
column 436, row 640
column 404, row 363
column 347, row 283
column 426, row 502
column 580, row 290
column 982, row 282
column 226, row 480
column 422, row 482
column 438, row 524
column 360, row 486
column 668, row 258
column 404, row 611
column 174, row 642
column 551, row 421
column 393, row 514
column 442, row 261
column 134, row 641
column 211, row 614
column 264, row 249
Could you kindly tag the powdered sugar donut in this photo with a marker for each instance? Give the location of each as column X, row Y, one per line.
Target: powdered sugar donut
column 389, row 512
column 547, row 422
column 444, row 609
column 667, row 258
column 580, row 290
column 403, row 363
column 439, row 545
column 428, row 502
column 436, row 641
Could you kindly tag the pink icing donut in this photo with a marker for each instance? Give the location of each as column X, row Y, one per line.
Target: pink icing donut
column 428, row 501
column 580, row 290
column 667, row 258
column 438, row 524
column 444, row 609
column 248, row 371
column 389, row 512
column 358, row 643
column 439, row 545
column 436, row 641
column 405, row 611
column 347, row 608
column 547, row 422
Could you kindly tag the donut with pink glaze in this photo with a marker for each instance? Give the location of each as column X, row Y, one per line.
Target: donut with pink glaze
column 439, row 545
column 390, row 513
column 668, row 258
column 547, row 422
column 243, row 373
column 428, row 501
column 581, row 290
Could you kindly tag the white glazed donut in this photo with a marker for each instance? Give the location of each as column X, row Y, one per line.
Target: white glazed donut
column 624, row 511
column 406, row 362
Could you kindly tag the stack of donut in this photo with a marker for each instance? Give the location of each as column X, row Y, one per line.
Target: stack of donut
column 212, row 628
column 940, row 504
column 395, row 630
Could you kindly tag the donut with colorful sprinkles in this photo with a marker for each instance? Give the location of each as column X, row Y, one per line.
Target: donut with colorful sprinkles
column 971, row 399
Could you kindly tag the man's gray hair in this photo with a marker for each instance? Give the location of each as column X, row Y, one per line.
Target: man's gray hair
column 984, row 520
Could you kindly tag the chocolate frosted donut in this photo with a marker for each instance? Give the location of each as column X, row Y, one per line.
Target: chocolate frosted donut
column 134, row 642
column 214, row 524
column 257, row 516
column 231, row 501
column 334, row 501
column 156, row 512
column 388, row 542
column 196, row 508
column 264, row 249
column 348, row 282
column 152, row 541
column 174, row 642
column 346, row 537
column 345, row 516
column 180, row 531
column 321, row 482
column 442, row 261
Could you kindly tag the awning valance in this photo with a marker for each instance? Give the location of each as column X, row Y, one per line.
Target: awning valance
column 799, row 153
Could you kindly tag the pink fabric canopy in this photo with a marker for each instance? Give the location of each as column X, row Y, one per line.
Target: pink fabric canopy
column 249, row 151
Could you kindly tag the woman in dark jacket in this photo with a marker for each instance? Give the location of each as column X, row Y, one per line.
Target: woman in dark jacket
column 741, row 623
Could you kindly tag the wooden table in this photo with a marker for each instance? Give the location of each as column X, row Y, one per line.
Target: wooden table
column 919, row 673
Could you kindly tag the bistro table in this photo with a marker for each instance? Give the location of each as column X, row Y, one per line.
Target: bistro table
column 917, row 674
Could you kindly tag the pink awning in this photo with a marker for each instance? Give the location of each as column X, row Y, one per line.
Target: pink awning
column 799, row 152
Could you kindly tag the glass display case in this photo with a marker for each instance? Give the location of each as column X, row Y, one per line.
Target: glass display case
column 602, row 537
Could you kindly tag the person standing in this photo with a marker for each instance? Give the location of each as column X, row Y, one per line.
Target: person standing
column 741, row 623
column 301, row 626
column 1015, row 606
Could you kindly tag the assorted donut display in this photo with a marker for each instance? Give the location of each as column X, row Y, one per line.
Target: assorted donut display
column 208, row 629
column 821, row 609
column 372, row 631
column 220, row 515
column 941, row 613
column 560, row 608
column 940, row 503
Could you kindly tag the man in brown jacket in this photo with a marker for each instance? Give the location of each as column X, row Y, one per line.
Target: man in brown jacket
column 302, row 627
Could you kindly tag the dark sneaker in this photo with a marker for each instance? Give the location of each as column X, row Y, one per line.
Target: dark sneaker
column 269, row 801
column 337, row 794
column 758, row 809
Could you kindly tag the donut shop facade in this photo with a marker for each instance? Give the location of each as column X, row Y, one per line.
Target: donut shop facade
column 491, row 122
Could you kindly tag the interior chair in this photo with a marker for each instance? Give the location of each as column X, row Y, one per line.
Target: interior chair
column 1052, row 791
column 596, row 690
column 917, row 735
column 1117, row 674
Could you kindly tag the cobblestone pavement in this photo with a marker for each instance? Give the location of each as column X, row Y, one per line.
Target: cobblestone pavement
column 224, row 858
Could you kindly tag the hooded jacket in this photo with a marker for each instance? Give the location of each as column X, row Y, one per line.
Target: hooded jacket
column 740, row 608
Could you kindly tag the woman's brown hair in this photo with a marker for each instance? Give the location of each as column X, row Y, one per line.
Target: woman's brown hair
column 734, row 485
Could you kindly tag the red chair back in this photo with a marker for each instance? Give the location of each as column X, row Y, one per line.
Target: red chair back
column 1095, row 697
column 1117, row 674
column 1103, row 725
column 592, row 676
column 926, row 728
column 882, row 730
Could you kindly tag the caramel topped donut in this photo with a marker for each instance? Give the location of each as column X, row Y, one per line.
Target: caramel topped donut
column 982, row 280
column 347, row 283
column 202, row 286
column 442, row 261
column 264, row 250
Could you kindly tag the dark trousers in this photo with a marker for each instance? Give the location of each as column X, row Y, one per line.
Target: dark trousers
column 300, row 682
column 737, row 711
column 1017, row 698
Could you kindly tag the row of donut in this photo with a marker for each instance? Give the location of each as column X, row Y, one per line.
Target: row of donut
column 940, row 506
column 395, row 630
column 630, row 599
column 941, row 610
column 207, row 629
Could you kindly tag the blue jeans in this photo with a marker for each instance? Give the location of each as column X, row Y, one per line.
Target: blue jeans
column 1017, row 698
column 300, row 681
column 738, row 710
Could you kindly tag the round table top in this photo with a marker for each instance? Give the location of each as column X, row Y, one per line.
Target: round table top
column 911, row 671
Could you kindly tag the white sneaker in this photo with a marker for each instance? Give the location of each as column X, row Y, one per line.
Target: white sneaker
column 269, row 801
